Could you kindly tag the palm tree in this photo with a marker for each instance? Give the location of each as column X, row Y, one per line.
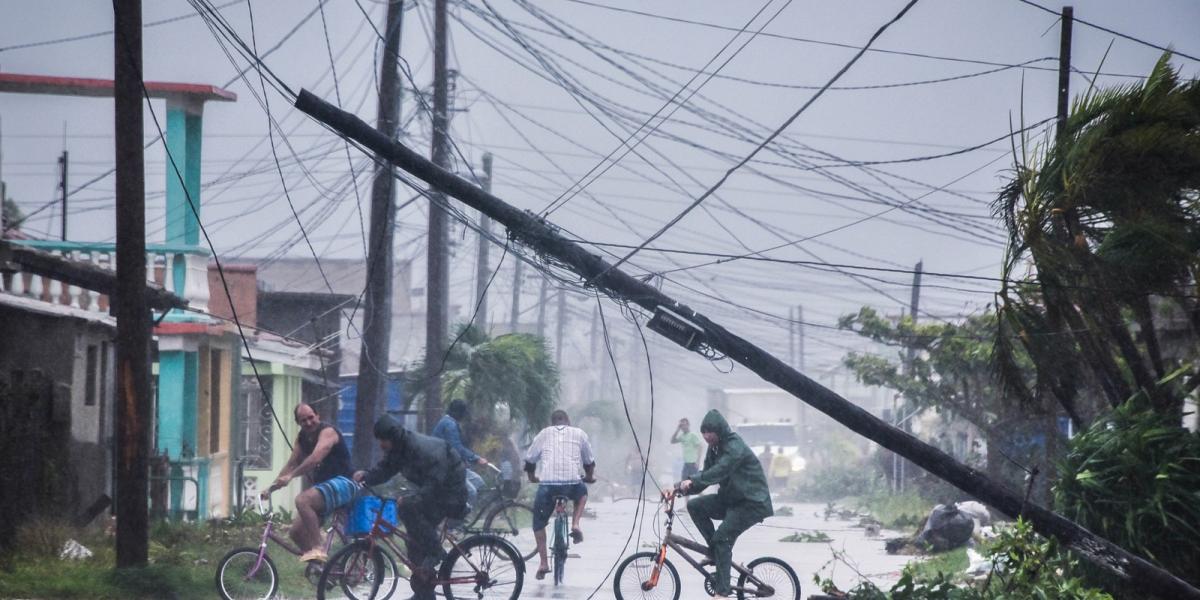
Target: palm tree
column 510, row 382
column 1107, row 214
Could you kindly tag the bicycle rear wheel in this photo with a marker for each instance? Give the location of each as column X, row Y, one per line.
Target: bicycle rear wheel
column 483, row 567
column 241, row 576
column 356, row 571
column 633, row 578
column 775, row 573
column 560, row 548
column 514, row 521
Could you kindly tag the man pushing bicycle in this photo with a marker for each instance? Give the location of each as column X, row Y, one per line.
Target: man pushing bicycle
column 742, row 501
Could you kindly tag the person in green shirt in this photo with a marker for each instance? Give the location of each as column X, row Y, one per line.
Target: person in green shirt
column 742, row 499
column 690, row 443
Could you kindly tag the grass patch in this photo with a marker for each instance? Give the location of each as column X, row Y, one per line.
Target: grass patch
column 952, row 563
column 901, row 512
column 183, row 566
column 807, row 537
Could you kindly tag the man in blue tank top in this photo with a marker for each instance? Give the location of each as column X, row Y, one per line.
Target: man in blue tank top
column 321, row 454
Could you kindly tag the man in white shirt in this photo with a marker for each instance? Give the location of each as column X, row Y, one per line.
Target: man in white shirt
column 557, row 457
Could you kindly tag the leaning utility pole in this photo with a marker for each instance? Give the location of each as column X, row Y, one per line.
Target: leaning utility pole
column 437, row 250
column 697, row 332
column 129, row 303
column 62, row 186
column 482, row 269
column 372, row 393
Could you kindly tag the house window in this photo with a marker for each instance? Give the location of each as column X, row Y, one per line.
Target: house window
column 259, row 433
column 92, row 376
column 214, row 403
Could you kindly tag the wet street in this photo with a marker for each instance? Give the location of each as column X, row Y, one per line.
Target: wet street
column 607, row 541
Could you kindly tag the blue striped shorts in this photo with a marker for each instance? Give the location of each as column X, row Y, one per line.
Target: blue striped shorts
column 336, row 492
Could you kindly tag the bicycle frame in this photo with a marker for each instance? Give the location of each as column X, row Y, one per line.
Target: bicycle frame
column 682, row 546
column 269, row 534
column 382, row 533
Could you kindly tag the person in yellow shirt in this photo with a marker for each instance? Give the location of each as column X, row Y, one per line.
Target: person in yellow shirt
column 781, row 469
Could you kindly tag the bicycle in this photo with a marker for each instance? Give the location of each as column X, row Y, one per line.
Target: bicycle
column 641, row 575
column 504, row 515
column 249, row 573
column 480, row 566
column 562, row 530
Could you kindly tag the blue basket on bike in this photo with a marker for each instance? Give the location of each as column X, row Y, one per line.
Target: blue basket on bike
column 364, row 510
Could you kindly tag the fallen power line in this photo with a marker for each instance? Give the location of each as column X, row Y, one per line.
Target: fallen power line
column 696, row 332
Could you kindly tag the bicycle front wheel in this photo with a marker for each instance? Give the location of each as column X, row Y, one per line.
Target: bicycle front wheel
column 356, row 572
column 483, row 567
column 241, row 575
column 770, row 571
column 633, row 579
column 514, row 521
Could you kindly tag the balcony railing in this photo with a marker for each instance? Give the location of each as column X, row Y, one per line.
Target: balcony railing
column 179, row 269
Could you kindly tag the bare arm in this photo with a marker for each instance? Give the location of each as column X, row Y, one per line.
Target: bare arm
column 284, row 473
column 325, row 443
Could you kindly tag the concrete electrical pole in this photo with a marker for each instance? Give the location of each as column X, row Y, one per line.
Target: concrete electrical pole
column 482, row 268
column 437, row 249
column 377, row 305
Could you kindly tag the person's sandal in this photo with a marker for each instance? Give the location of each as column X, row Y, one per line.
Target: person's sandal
column 577, row 535
column 314, row 555
column 541, row 573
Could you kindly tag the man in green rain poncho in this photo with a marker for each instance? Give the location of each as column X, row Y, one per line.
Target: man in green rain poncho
column 742, row 501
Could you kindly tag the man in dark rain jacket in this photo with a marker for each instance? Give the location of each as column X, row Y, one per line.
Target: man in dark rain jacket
column 742, row 501
column 431, row 465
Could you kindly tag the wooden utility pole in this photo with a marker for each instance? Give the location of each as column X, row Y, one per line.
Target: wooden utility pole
column 540, row 236
column 372, row 393
column 62, row 186
column 518, row 276
column 437, row 253
column 482, row 269
column 129, row 302
column 1064, row 68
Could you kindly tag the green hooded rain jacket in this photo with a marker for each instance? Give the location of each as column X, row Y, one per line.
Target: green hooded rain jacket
column 731, row 464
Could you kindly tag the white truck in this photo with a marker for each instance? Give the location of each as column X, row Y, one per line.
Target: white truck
column 764, row 417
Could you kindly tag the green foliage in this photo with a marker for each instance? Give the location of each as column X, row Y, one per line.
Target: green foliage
column 897, row 511
column 1134, row 478
column 839, row 480
column 807, row 537
column 1025, row 565
column 12, row 213
column 1106, row 214
column 506, row 379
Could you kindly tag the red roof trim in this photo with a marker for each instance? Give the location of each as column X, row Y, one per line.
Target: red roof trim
column 86, row 86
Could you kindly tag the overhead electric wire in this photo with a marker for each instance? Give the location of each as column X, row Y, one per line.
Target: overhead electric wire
column 1113, row 32
column 828, row 43
column 768, row 139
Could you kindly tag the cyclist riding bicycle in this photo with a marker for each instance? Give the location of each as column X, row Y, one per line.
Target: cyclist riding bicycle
column 432, row 466
column 322, row 455
column 742, row 500
column 558, row 454
column 449, row 428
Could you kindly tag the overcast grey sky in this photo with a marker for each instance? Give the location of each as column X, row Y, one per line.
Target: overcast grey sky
column 544, row 140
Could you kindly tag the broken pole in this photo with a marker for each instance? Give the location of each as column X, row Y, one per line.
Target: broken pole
column 534, row 232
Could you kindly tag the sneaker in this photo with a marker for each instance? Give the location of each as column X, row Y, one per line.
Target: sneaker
column 316, row 554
